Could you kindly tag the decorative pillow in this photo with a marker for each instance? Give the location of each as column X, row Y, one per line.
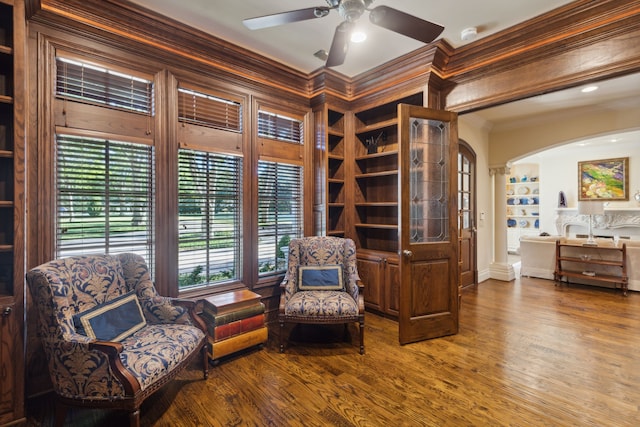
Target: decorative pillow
column 114, row 320
column 320, row 278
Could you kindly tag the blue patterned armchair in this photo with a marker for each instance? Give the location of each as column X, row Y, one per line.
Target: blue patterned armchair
column 80, row 297
column 321, row 285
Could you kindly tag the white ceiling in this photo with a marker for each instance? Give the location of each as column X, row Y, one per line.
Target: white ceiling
column 294, row 44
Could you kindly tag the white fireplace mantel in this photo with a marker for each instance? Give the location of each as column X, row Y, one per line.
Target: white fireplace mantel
column 620, row 221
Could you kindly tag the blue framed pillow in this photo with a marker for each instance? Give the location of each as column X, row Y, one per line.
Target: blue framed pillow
column 320, row 278
column 114, row 320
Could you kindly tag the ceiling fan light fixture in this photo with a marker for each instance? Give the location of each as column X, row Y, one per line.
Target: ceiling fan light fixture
column 351, row 10
column 358, row 36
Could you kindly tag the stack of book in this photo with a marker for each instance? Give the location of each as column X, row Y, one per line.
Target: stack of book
column 235, row 321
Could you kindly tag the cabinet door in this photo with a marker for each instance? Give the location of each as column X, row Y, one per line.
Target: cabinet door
column 392, row 286
column 370, row 272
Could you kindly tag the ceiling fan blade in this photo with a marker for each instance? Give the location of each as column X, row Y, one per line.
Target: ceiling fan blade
column 405, row 24
column 340, row 44
column 285, row 17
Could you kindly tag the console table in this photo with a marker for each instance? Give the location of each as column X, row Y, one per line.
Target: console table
column 605, row 262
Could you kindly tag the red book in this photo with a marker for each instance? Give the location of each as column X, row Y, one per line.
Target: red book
column 237, row 327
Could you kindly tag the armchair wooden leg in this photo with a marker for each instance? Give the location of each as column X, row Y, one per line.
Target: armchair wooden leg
column 361, row 336
column 205, row 360
column 134, row 418
column 281, row 337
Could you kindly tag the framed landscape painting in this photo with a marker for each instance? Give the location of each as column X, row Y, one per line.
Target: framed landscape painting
column 606, row 179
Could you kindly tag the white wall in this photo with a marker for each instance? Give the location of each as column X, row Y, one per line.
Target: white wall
column 474, row 134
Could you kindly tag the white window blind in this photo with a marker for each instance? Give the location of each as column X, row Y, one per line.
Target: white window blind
column 210, row 207
column 280, row 213
column 208, row 110
column 89, row 83
column 105, row 197
column 281, row 128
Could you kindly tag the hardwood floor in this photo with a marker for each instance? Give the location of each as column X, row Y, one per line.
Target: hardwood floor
column 529, row 353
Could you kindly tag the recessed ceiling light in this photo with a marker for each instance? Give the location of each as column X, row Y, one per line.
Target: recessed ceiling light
column 589, row 89
column 358, row 36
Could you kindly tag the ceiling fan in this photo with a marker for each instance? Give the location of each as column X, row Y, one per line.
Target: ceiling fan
column 351, row 10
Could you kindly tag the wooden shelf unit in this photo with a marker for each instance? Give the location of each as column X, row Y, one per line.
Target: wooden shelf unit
column 375, row 202
column 12, row 210
column 331, row 158
column 605, row 263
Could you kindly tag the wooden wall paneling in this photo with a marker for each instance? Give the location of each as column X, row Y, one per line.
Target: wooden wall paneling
column 588, row 43
column 125, row 25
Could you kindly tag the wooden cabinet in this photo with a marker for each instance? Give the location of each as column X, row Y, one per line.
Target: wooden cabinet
column 605, row 263
column 381, row 277
column 12, row 211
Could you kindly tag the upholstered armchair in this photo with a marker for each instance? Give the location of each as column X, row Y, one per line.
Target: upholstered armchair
column 321, row 285
column 110, row 339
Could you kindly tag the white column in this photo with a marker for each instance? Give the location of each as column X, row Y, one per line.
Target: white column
column 500, row 269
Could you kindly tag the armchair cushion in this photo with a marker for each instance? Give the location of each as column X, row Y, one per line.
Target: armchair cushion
column 154, row 351
column 320, row 278
column 113, row 320
column 319, row 304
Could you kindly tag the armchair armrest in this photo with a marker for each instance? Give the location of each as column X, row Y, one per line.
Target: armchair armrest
column 78, row 348
column 193, row 307
column 113, row 350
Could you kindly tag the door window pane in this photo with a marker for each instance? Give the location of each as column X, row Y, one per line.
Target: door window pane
column 429, row 181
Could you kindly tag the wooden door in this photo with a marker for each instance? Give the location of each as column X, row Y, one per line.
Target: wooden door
column 428, row 223
column 467, row 214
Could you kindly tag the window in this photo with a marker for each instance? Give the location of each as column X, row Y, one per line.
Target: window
column 90, row 83
column 210, row 186
column 281, row 128
column 208, row 110
column 280, row 188
column 104, row 174
column 280, row 209
column 210, row 206
column 105, row 197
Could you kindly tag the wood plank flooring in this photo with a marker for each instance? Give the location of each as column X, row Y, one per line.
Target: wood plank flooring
column 529, row 353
